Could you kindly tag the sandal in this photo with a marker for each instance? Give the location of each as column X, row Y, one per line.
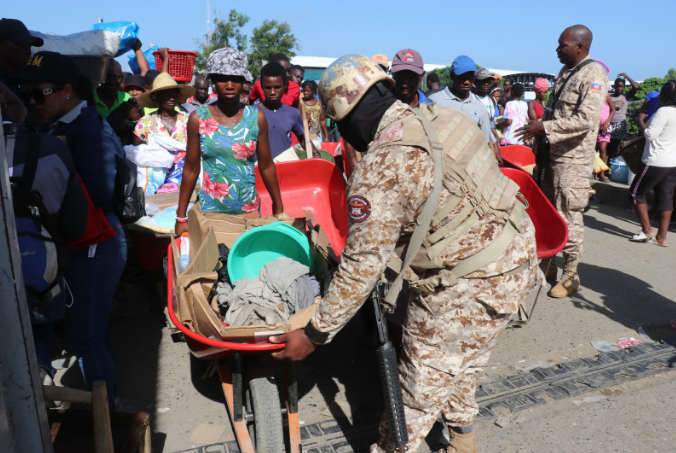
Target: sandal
column 661, row 244
column 642, row 237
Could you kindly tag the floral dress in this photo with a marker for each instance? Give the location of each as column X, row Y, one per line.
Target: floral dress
column 152, row 124
column 228, row 179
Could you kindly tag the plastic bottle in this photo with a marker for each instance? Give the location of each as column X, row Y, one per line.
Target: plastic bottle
column 184, row 259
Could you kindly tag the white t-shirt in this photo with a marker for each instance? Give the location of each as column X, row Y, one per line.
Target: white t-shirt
column 488, row 102
column 660, row 145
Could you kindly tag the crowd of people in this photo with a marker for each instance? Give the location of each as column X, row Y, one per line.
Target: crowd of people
column 478, row 257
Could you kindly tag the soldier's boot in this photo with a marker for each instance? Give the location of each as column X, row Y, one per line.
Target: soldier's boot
column 569, row 283
column 461, row 443
column 548, row 267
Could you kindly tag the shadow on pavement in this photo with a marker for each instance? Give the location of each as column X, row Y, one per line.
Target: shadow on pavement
column 626, row 299
column 136, row 326
column 346, row 363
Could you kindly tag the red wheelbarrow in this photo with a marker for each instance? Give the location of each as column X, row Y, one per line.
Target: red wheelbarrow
column 551, row 231
column 314, row 187
column 518, row 156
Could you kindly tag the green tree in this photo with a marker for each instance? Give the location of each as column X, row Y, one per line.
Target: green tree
column 270, row 38
column 648, row 85
column 445, row 75
column 645, row 87
column 671, row 74
column 227, row 33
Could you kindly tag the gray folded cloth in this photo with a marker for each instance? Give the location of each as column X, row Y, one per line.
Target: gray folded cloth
column 282, row 288
column 307, row 288
column 252, row 303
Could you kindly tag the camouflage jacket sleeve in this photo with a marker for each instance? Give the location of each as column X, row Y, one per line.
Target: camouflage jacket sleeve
column 385, row 193
column 579, row 108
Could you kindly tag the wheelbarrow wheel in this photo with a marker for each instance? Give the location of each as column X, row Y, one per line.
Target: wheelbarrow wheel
column 263, row 401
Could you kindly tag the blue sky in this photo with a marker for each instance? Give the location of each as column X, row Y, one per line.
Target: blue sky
column 516, row 35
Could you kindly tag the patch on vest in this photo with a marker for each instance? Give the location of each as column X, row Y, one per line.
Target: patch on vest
column 358, row 208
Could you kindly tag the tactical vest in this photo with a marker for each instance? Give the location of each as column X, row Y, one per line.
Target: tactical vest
column 460, row 152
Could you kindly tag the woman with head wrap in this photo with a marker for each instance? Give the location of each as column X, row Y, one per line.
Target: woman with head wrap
column 536, row 107
column 225, row 137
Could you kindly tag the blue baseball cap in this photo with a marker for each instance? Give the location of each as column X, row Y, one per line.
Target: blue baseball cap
column 463, row 64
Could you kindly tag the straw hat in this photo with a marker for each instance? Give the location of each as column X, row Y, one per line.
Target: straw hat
column 164, row 82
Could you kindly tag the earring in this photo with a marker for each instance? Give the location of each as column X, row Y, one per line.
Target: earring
column 67, row 99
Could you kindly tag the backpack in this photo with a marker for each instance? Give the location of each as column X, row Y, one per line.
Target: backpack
column 437, row 131
column 44, row 254
column 128, row 199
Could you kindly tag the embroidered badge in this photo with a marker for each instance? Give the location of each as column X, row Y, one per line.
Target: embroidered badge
column 408, row 56
column 596, row 86
column 358, row 208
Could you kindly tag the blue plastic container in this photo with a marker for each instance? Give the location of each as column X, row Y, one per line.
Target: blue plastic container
column 261, row 245
column 618, row 171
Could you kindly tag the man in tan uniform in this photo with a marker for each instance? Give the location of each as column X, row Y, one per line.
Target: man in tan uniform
column 479, row 259
column 572, row 129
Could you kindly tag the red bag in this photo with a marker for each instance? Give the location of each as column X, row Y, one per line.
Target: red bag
column 97, row 230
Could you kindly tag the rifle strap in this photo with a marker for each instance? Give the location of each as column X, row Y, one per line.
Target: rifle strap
column 426, row 215
column 549, row 110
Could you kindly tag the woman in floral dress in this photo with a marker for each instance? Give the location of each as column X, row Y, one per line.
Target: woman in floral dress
column 225, row 137
column 165, row 96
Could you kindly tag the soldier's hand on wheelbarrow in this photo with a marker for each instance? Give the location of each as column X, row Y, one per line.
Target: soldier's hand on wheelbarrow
column 298, row 345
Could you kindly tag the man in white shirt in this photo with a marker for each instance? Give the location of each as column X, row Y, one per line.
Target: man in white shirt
column 483, row 81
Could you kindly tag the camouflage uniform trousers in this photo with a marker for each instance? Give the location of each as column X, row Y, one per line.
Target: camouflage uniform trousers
column 567, row 188
column 448, row 337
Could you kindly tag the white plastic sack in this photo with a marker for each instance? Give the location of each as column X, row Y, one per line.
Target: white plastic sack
column 101, row 43
column 166, row 142
column 150, row 178
column 149, row 156
column 152, row 165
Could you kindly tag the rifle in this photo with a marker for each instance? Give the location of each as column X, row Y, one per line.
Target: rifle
column 389, row 374
column 541, row 147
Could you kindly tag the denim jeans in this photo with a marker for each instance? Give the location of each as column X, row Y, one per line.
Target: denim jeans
column 92, row 280
column 42, row 335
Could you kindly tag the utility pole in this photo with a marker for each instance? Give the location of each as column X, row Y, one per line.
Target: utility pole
column 208, row 20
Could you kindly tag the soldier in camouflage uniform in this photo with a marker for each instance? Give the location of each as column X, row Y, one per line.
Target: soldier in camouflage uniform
column 451, row 328
column 572, row 134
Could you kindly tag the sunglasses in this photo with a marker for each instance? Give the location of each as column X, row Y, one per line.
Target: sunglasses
column 173, row 93
column 39, row 95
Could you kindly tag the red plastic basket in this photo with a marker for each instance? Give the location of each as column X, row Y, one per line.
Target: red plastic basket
column 181, row 64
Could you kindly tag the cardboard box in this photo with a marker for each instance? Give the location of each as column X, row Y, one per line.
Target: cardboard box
column 164, row 200
column 192, row 287
column 228, row 228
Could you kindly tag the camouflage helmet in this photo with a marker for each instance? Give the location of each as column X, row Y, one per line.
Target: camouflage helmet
column 345, row 81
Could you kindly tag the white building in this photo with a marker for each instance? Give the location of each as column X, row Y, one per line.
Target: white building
column 315, row 66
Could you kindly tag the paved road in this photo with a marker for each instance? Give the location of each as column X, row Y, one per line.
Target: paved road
column 624, row 286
